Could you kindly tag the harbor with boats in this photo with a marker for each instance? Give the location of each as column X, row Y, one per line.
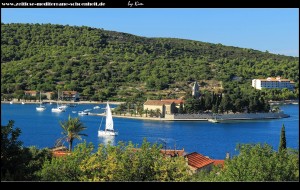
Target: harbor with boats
column 42, row 128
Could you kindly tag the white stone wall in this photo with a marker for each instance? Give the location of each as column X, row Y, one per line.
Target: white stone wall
column 242, row 116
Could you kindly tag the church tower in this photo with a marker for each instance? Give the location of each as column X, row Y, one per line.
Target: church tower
column 195, row 90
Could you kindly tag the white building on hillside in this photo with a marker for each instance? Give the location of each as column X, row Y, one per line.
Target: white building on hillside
column 271, row 83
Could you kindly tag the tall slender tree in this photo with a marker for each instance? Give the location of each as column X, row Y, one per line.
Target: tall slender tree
column 282, row 143
column 72, row 130
column 180, row 110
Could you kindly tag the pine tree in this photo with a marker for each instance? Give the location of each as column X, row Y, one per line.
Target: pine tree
column 282, row 144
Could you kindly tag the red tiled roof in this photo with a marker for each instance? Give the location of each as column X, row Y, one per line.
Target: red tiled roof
column 69, row 92
column 172, row 152
column 173, row 100
column 219, row 162
column 157, row 103
column 60, row 153
column 30, row 91
column 198, row 160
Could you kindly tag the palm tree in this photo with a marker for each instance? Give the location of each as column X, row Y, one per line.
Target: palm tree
column 72, row 130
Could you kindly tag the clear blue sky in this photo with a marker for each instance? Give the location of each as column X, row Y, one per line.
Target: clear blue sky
column 275, row 30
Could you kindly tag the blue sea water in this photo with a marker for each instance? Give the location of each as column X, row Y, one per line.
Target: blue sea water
column 42, row 129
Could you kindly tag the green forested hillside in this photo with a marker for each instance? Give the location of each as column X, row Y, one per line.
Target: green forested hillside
column 104, row 64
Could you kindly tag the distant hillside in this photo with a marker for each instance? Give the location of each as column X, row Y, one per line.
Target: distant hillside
column 101, row 64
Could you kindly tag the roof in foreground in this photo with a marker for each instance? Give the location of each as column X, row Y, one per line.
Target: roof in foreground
column 197, row 160
column 59, row 153
column 172, row 153
column 219, row 162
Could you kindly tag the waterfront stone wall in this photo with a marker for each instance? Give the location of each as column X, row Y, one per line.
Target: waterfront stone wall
column 193, row 116
column 240, row 116
column 169, row 116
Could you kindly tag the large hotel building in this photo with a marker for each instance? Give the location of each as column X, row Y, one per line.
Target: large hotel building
column 270, row 83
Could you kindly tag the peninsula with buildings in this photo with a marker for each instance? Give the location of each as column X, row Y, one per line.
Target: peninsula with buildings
column 192, row 109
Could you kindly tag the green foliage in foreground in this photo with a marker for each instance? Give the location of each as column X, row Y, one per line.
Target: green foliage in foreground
column 72, row 129
column 257, row 163
column 19, row 163
column 115, row 163
column 282, row 143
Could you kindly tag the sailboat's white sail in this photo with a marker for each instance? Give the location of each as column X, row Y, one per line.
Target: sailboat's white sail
column 109, row 121
column 109, row 124
column 41, row 107
column 58, row 109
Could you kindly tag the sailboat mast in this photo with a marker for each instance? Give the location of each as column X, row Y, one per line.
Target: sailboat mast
column 100, row 124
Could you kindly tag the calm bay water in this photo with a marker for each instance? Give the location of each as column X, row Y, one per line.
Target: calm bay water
column 211, row 139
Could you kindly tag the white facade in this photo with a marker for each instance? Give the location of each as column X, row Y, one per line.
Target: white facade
column 271, row 83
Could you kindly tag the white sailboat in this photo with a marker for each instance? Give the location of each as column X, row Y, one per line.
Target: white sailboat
column 109, row 124
column 58, row 108
column 63, row 106
column 41, row 107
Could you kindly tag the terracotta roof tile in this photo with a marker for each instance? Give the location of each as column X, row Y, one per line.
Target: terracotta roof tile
column 198, row 160
column 219, row 162
column 172, row 152
column 157, row 102
column 60, row 153
column 173, row 100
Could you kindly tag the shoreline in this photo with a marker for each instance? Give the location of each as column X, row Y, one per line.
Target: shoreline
column 61, row 102
column 284, row 102
column 245, row 117
column 181, row 117
column 117, row 103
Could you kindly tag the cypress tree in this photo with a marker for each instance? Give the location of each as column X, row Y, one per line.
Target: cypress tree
column 180, row 111
column 282, row 144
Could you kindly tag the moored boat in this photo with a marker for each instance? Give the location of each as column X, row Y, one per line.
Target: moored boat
column 41, row 107
column 109, row 124
column 213, row 120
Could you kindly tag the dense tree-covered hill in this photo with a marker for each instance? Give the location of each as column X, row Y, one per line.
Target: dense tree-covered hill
column 101, row 64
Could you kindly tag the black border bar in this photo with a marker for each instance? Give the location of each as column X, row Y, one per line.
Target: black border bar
column 149, row 4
